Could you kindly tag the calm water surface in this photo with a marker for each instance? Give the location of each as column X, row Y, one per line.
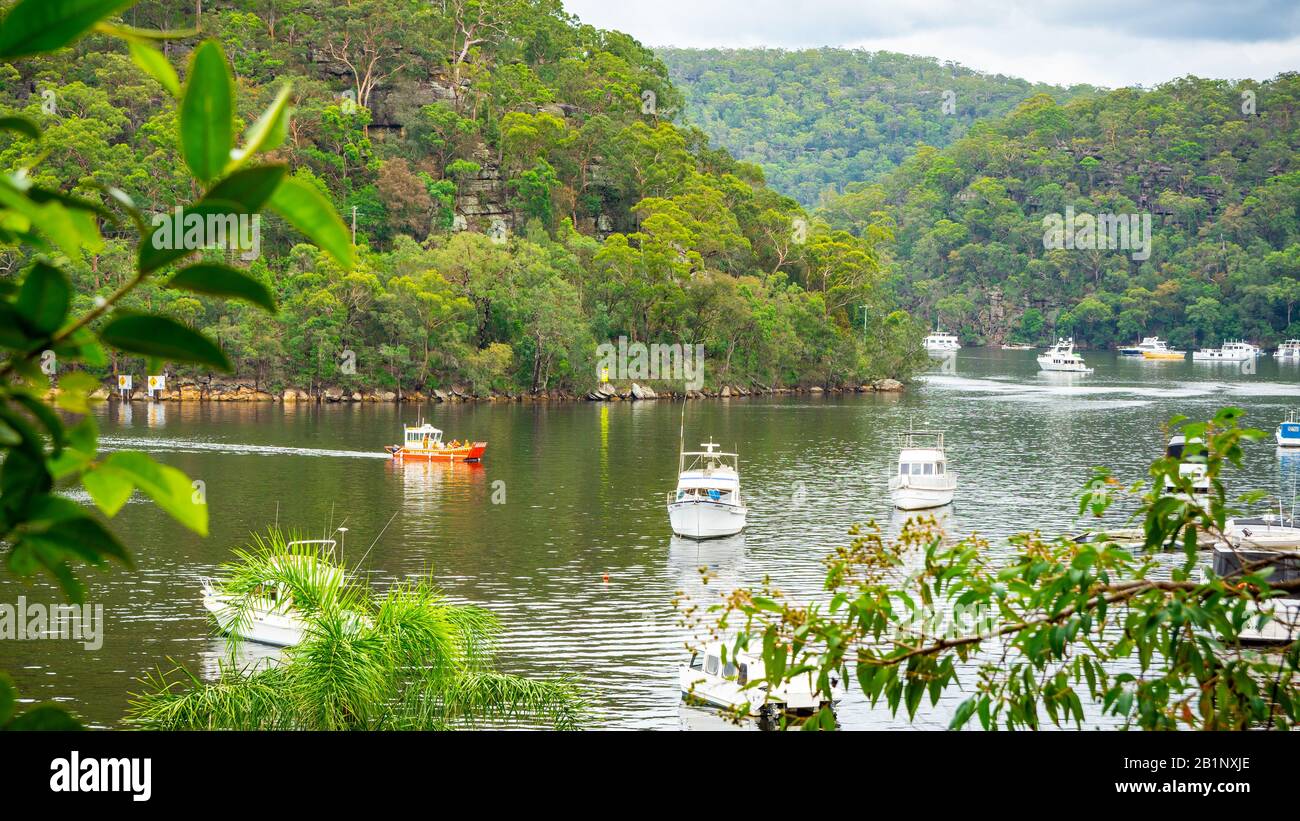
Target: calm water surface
column 584, row 487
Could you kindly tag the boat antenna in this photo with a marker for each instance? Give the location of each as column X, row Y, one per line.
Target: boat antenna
column 376, row 541
column 681, row 439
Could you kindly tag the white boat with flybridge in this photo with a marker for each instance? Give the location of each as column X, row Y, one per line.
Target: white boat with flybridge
column 718, row 676
column 922, row 480
column 1191, row 467
column 1289, row 349
column 1061, row 357
column 940, row 342
column 1233, row 351
column 707, row 502
column 1150, row 345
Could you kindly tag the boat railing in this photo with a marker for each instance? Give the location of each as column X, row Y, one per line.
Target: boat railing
column 921, row 439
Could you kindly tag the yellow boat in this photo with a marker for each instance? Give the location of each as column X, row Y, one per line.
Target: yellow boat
column 1164, row 355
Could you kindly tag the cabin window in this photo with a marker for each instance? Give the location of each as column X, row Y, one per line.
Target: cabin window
column 903, row 469
column 938, row 469
column 728, row 669
column 681, row 494
column 929, row 469
column 744, row 675
column 711, row 665
column 697, row 661
column 916, row 468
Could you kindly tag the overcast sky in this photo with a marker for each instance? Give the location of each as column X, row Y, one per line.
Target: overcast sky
column 1104, row 42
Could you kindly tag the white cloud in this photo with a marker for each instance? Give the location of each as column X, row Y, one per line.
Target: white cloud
column 1100, row 42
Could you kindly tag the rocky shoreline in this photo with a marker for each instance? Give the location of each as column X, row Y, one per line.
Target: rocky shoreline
column 609, row 392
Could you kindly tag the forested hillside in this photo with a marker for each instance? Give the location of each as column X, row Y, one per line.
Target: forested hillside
column 1213, row 163
column 520, row 192
column 819, row 119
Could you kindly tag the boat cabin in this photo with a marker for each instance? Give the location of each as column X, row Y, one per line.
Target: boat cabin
column 1192, row 467
column 422, row 437
column 1288, row 433
column 921, row 454
column 709, row 475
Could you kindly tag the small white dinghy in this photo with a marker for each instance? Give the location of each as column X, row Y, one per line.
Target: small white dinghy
column 268, row 615
column 707, row 503
column 708, row 679
column 923, row 479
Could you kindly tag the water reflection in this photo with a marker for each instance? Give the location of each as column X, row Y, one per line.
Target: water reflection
column 248, row 657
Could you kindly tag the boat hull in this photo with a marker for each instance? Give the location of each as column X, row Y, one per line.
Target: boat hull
column 916, row 498
column 695, row 519
column 466, row 453
column 1162, row 355
column 264, row 627
column 796, row 697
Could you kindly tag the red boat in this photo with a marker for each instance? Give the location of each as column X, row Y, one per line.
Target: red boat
column 425, row 443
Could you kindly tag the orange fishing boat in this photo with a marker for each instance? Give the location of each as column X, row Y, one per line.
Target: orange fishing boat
column 425, row 442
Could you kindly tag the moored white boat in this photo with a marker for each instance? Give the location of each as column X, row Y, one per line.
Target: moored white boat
column 709, row 679
column 922, row 479
column 1229, row 352
column 1151, row 347
column 1061, row 357
column 1289, row 349
column 940, row 342
column 707, row 502
column 1191, row 468
column 269, row 615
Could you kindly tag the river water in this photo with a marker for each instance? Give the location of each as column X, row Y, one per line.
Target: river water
column 562, row 530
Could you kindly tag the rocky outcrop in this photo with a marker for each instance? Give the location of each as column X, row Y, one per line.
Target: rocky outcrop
column 887, row 385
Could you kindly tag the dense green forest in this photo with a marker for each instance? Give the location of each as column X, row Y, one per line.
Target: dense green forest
column 1213, row 163
column 819, row 119
column 520, row 190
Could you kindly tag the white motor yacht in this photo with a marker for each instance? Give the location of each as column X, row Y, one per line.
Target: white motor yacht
column 707, row 501
column 1192, row 468
column 1229, row 352
column 1289, row 349
column 940, row 342
column 922, row 479
column 1061, row 357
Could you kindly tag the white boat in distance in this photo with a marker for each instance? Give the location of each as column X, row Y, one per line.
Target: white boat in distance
column 268, row 616
column 940, row 342
column 710, row 680
column 1149, row 343
column 922, row 480
column 1061, row 357
column 1230, row 352
column 707, row 501
column 1288, row 350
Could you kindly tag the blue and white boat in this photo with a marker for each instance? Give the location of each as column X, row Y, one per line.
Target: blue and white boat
column 1288, row 433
